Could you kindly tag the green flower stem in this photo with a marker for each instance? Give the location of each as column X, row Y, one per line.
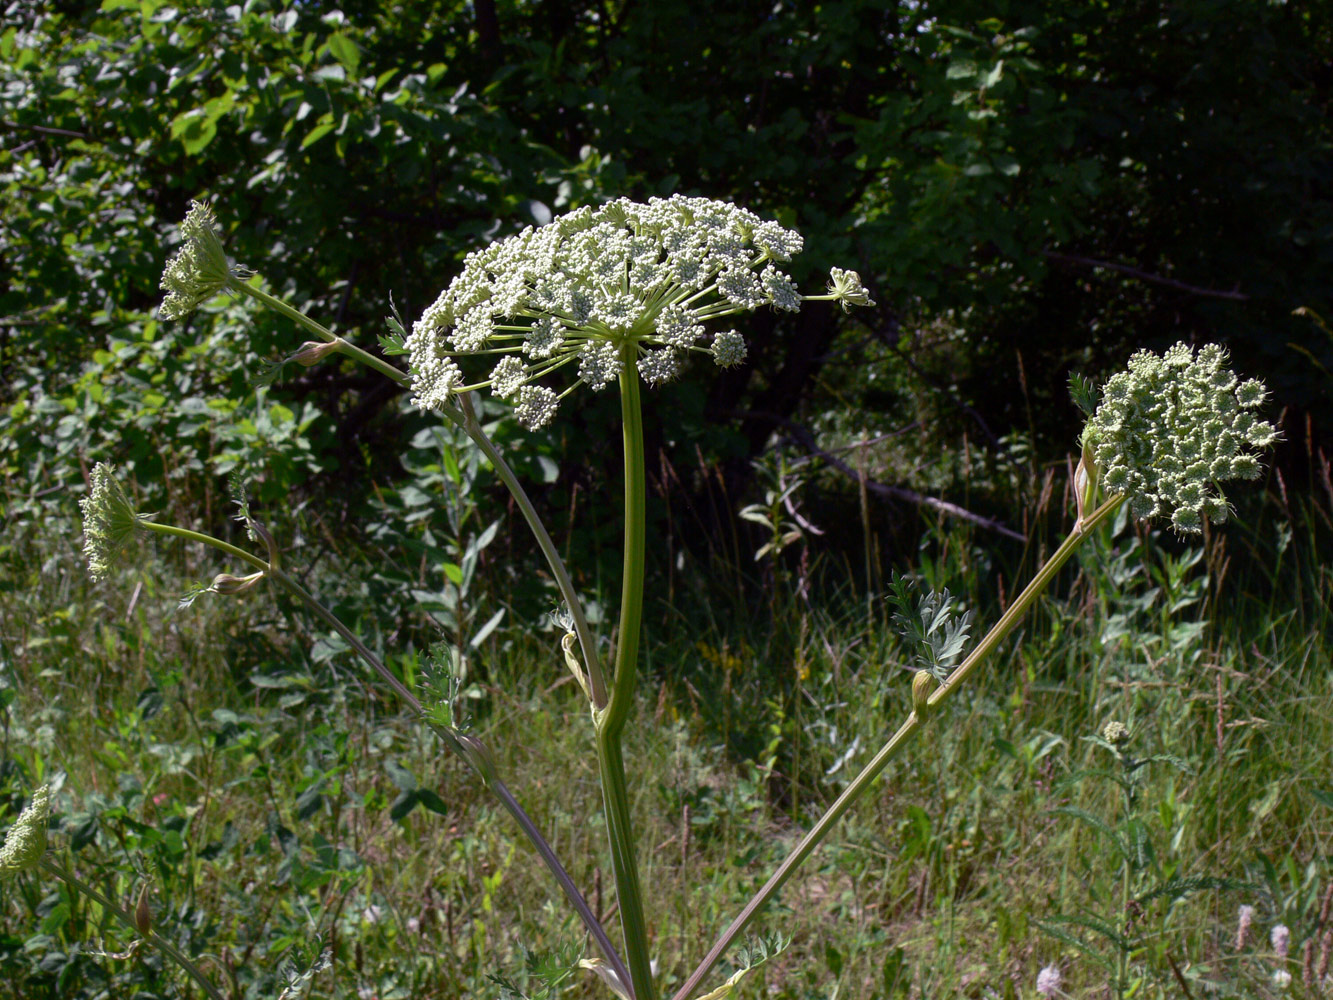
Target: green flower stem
column 124, row 916
column 497, row 787
column 631, row 587
column 611, row 721
column 344, row 346
column 1024, row 600
column 202, row 539
column 890, row 749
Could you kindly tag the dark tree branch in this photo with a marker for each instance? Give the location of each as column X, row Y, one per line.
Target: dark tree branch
column 43, row 129
column 806, row 439
column 1134, row 272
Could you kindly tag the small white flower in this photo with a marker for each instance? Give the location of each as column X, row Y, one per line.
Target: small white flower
column 545, row 339
column 200, row 269
column 1245, row 918
column 1281, row 978
column 536, row 406
column 660, row 366
column 647, row 276
column 108, row 520
column 507, row 377
column 1281, row 940
column 1048, row 981
column 1170, row 428
column 846, row 288
column 599, row 364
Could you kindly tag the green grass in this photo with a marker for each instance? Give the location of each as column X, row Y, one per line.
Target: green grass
column 254, row 780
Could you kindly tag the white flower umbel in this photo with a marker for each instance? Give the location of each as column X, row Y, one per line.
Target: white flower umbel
column 581, row 290
column 200, row 268
column 1171, row 428
column 25, row 843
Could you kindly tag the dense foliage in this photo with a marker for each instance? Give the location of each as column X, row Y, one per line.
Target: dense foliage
column 975, row 160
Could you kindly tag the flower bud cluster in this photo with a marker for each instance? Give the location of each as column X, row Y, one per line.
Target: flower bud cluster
column 1171, row 428
column 200, row 268
column 599, row 288
column 25, row 843
column 108, row 520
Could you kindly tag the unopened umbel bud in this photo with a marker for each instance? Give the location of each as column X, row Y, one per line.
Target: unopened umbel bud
column 143, row 912
column 922, row 686
column 312, row 352
column 226, row 584
column 479, row 756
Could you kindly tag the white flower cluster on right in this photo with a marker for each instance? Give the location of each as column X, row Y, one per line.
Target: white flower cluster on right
column 1171, row 428
column 626, row 284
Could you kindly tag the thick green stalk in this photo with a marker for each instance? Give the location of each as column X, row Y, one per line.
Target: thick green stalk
column 494, row 785
column 890, row 749
column 611, row 720
column 152, row 937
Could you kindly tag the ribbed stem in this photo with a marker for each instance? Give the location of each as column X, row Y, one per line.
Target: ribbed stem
column 611, row 720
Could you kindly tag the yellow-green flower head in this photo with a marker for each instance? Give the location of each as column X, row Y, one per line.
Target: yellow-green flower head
column 108, row 520
column 579, row 291
column 200, row 268
column 25, row 843
column 1171, row 428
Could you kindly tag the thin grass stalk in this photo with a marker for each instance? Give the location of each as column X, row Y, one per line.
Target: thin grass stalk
column 152, row 937
column 493, row 784
column 905, row 733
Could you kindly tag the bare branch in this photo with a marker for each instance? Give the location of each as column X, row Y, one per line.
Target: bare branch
column 1134, row 272
column 806, row 439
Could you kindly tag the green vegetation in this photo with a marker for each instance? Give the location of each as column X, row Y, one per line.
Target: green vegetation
column 1026, row 189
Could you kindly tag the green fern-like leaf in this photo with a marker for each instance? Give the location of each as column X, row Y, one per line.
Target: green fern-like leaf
column 1083, row 391
column 1178, row 887
column 1098, row 824
column 1073, row 942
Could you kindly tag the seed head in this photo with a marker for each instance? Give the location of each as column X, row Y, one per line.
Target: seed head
column 1171, row 428
column 25, row 843
column 846, row 287
column 200, row 268
column 108, row 521
column 1115, row 732
column 602, row 288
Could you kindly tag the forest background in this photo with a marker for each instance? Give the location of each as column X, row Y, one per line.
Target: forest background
column 1027, row 188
